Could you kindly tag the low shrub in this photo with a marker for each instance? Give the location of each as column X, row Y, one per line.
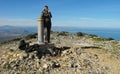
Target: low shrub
column 31, row 36
column 110, row 39
column 80, row 34
column 63, row 33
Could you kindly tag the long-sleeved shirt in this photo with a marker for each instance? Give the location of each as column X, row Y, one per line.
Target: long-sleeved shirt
column 46, row 15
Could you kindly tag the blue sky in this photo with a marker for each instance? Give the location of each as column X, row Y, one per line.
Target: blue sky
column 78, row 13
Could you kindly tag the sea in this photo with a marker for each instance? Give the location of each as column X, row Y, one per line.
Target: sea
column 102, row 32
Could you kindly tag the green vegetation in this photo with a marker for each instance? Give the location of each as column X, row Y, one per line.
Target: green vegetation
column 102, row 39
column 31, row 36
column 99, row 38
column 80, row 34
column 63, row 33
column 93, row 35
column 110, row 39
column 10, row 41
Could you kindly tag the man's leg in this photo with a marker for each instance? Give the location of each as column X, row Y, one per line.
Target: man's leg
column 45, row 34
column 48, row 33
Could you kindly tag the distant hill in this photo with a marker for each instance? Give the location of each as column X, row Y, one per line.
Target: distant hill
column 11, row 32
column 67, row 53
column 17, row 30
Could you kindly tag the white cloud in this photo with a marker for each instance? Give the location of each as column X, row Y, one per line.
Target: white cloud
column 18, row 21
column 86, row 19
column 90, row 22
column 77, row 22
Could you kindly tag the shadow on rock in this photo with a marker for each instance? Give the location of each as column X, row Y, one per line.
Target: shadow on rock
column 87, row 47
column 42, row 50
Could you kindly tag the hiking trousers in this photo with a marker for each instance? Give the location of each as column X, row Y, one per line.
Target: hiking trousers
column 47, row 29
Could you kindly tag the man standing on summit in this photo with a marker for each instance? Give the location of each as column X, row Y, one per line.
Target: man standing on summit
column 46, row 15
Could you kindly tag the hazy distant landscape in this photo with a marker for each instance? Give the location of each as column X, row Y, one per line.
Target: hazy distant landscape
column 11, row 32
column 102, row 32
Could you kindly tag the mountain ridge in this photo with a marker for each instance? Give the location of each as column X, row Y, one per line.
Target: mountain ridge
column 78, row 53
column 10, row 32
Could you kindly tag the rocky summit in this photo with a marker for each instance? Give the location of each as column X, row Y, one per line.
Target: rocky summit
column 78, row 53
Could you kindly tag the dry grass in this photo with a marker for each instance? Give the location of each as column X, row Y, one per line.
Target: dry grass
column 107, row 59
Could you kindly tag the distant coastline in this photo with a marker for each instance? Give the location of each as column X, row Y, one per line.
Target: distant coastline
column 11, row 32
column 102, row 32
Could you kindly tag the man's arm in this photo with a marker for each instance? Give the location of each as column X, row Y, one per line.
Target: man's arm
column 42, row 14
column 50, row 15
